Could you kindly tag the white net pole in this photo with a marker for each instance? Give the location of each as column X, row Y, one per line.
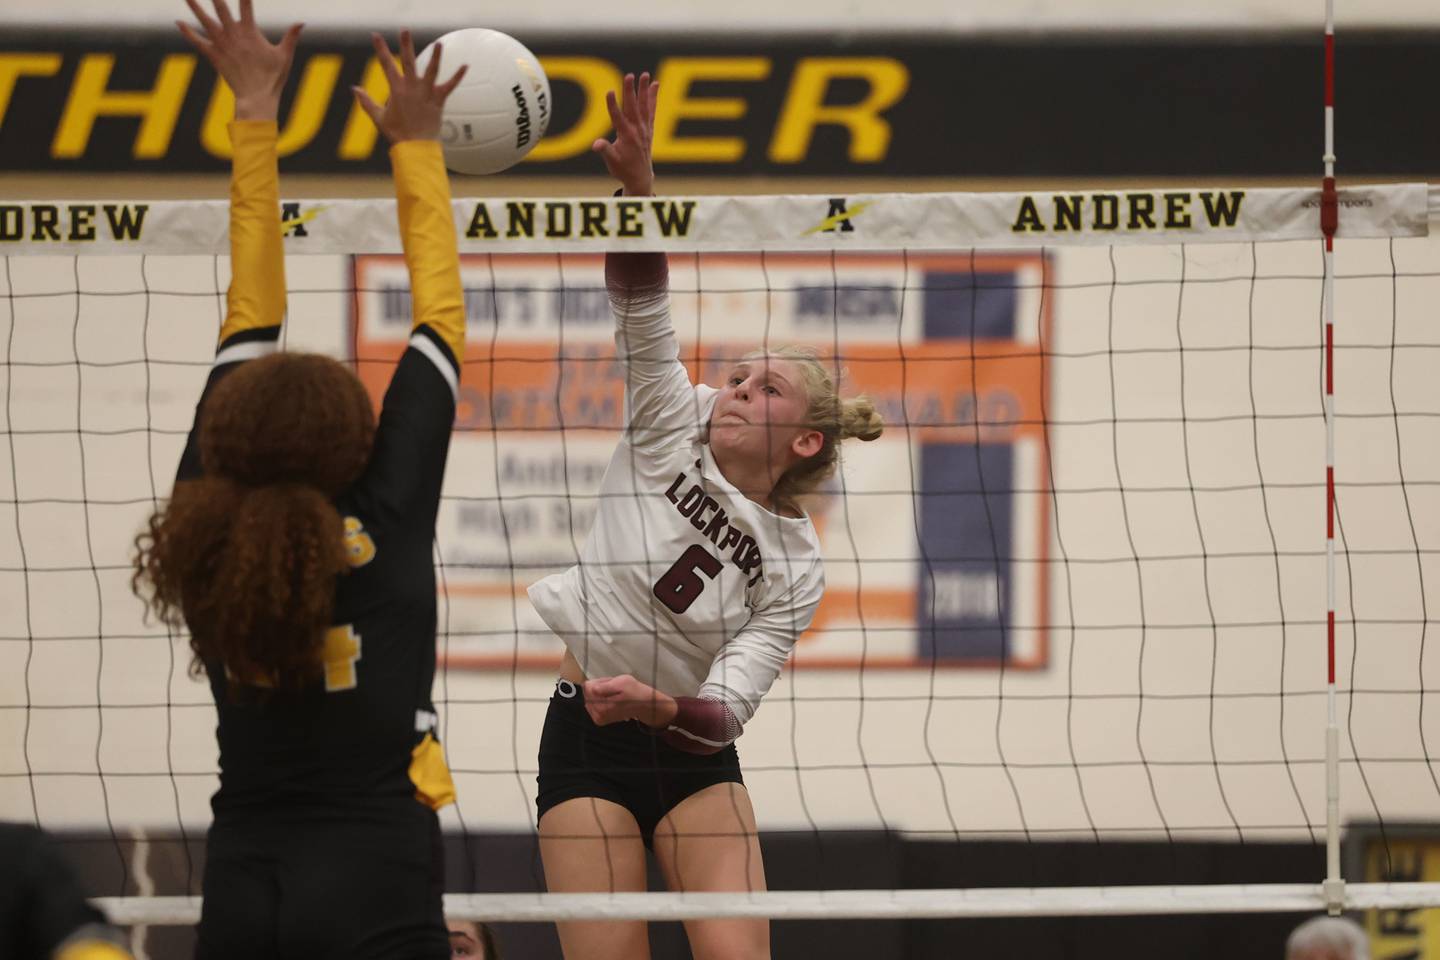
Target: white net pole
column 869, row 904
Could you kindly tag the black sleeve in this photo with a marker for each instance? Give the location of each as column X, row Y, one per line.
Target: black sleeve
column 41, row 902
column 402, row 482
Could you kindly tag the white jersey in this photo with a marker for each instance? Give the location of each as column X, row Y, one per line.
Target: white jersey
column 683, row 582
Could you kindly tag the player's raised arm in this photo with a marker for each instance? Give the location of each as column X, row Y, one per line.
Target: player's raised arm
column 410, row 121
column 659, row 399
column 255, row 69
column 419, row 409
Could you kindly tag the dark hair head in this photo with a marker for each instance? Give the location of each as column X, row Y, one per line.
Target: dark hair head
column 288, row 418
column 247, row 555
column 485, row 937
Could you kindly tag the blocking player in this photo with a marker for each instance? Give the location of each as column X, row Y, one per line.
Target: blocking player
column 699, row 573
column 297, row 549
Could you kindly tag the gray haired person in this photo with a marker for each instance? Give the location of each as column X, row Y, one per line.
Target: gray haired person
column 1327, row 938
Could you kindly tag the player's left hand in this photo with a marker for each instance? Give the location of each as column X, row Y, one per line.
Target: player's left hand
column 254, row 67
column 628, row 156
column 417, row 100
column 613, row 699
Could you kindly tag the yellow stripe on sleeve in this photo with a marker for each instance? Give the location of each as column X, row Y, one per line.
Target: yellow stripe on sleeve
column 427, row 229
column 257, row 255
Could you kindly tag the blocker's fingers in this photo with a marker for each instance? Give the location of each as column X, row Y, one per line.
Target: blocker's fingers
column 209, row 25
column 651, row 98
column 206, row 48
column 445, row 89
column 289, row 41
column 247, row 11
column 368, row 105
column 222, row 10
column 387, row 60
column 407, row 53
column 432, row 69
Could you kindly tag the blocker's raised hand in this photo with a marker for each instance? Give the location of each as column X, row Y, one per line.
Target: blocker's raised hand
column 628, row 157
column 254, row 67
column 416, row 102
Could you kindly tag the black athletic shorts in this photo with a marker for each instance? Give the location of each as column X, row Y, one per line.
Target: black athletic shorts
column 338, row 884
column 621, row 762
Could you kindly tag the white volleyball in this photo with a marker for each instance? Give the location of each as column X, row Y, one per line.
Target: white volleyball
column 502, row 107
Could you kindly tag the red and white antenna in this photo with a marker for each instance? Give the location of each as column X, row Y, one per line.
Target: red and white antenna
column 1329, row 220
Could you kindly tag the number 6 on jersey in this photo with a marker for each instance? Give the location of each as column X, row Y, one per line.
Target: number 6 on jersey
column 681, row 585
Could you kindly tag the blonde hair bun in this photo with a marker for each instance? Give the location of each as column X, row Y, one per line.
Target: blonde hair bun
column 860, row 419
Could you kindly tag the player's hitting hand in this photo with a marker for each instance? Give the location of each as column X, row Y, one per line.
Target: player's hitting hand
column 613, row 699
column 254, row 67
column 417, row 101
column 628, row 157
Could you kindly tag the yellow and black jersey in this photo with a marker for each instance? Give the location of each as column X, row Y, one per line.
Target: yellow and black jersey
column 366, row 732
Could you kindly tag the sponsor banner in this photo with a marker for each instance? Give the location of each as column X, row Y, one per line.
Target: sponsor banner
column 915, row 221
column 1008, row 106
column 935, row 536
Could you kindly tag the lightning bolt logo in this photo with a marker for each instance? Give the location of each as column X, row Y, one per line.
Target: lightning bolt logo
column 290, row 224
column 836, row 219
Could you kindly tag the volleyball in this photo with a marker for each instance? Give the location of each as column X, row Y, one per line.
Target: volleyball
column 502, row 107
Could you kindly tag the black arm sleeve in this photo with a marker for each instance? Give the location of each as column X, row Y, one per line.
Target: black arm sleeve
column 412, row 440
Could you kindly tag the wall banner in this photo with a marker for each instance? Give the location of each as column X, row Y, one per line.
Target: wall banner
column 1016, row 106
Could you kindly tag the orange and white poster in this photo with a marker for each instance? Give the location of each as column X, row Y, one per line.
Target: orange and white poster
column 935, row 536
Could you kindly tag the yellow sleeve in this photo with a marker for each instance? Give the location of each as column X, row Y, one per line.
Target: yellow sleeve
column 92, row 950
column 256, row 301
column 427, row 229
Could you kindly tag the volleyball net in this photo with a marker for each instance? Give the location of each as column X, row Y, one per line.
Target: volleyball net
column 1078, row 590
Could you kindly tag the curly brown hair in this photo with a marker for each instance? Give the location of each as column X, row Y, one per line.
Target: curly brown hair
column 247, row 555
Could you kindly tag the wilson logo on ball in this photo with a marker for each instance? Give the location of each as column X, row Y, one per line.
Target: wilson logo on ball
column 522, row 118
column 502, row 107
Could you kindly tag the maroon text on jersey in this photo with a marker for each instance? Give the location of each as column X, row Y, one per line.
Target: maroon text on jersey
column 706, row 515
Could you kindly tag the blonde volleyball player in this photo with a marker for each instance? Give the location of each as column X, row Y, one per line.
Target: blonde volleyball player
column 698, row 575
column 296, row 548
